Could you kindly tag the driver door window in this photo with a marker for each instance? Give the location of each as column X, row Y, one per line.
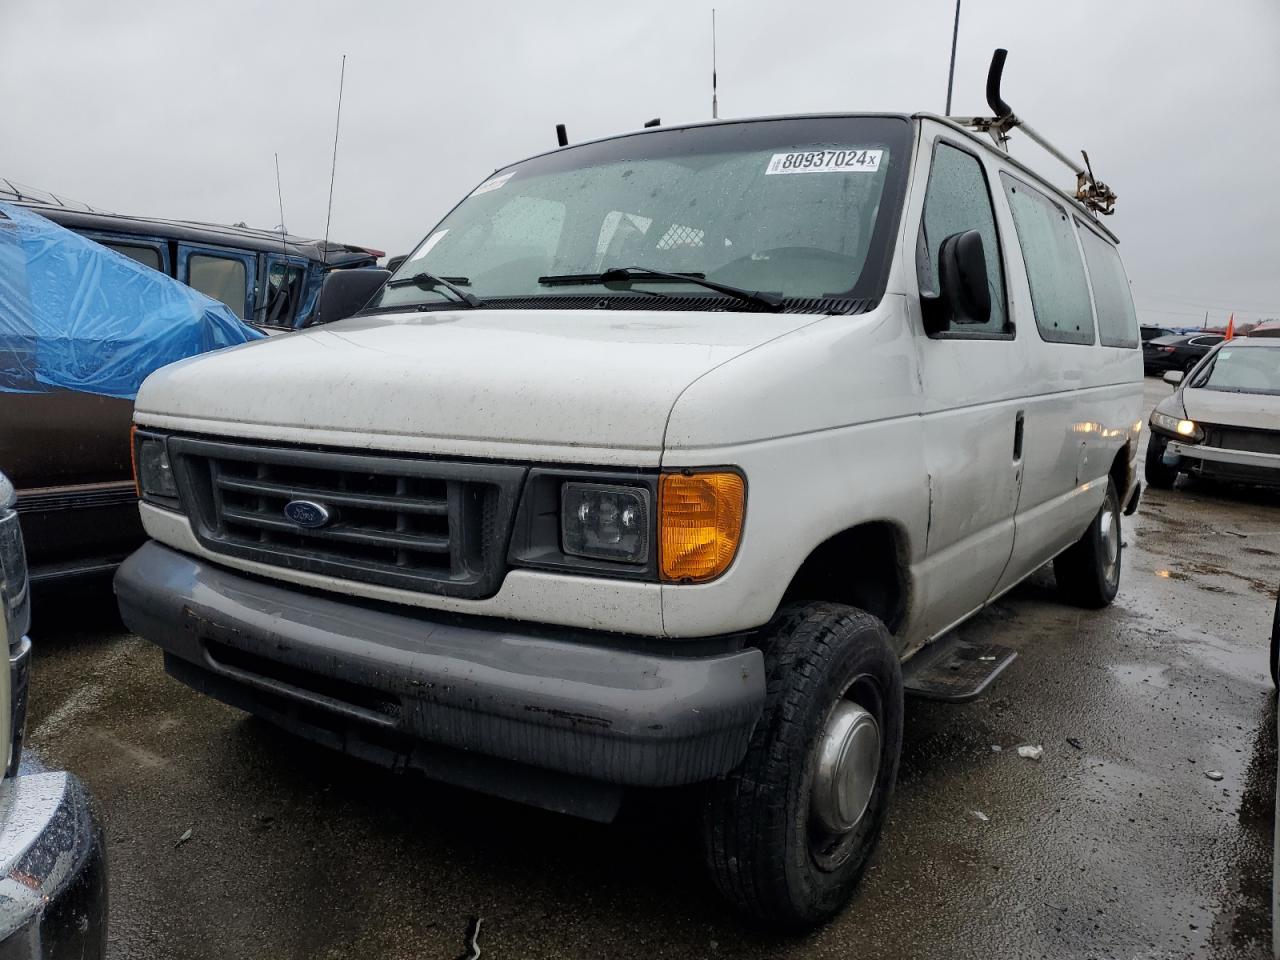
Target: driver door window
column 957, row 199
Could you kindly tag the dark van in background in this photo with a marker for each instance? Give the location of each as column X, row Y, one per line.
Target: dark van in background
column 67, row 453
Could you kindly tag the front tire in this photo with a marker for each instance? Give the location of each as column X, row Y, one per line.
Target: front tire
column 789, row 834
column 1159, row 474
column 1088, row 572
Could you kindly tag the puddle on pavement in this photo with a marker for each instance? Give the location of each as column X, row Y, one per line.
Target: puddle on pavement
column 1140, row 674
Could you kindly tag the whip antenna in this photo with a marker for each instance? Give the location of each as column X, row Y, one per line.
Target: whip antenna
column 715, row 106
column 280, row 196
column 334, row 169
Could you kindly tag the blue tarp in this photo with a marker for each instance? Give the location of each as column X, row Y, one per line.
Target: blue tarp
column 75, row 315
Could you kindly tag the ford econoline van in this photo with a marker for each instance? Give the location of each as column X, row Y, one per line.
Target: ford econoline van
column 665, row 459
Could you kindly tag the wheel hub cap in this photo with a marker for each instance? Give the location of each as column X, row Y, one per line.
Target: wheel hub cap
column 1109, row 523
column 846, row 769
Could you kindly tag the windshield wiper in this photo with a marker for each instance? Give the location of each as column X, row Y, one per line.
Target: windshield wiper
column 770, row 301
column 429, row 281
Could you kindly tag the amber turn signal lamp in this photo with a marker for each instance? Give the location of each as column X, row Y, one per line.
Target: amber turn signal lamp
column 699, row 524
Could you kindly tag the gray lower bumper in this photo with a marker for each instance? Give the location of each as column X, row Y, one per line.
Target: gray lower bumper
column 623, row 711
column 1245, row 466
column 53, row 871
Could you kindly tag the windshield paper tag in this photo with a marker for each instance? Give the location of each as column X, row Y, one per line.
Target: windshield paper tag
column 427, row 244
column 494, row 184
column 825, row 161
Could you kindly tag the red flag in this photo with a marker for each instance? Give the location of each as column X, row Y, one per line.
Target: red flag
column 1231, row 327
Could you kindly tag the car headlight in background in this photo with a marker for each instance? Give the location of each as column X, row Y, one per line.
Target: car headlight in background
column 152, row 471
column 605, row 521
column 1187, row 430
column 15, row 591
column 700, row 524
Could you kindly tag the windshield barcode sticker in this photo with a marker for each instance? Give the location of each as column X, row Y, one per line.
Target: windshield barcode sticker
column 825, row 161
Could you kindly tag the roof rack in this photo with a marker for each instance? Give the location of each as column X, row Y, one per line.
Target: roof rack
column 1095, row 195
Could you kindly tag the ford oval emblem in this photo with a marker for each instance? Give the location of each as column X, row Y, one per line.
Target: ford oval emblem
column 307, row 513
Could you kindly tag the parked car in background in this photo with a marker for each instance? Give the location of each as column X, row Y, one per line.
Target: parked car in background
column 1150, row 333
column 1177, row 352
column 267, row 278
column 1223, row 419
column 657, row 463
column 80, row 327
column 53, row 895
column 68, row 451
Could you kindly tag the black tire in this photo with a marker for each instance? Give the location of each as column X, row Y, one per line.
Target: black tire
column 1159, row 475
column 1088, row 572
column 767, row 851
column 1275, row 645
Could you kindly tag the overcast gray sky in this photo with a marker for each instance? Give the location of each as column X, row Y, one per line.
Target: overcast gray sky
column 174, row 109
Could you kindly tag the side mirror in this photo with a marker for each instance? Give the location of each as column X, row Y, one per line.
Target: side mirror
column 394, row 263
column 1173, row 377
column 346, row 291
column 962, row 276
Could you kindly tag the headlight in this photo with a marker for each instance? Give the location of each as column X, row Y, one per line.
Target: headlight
column 605, row 521
column 700, row 522
column 1187, row 430
column 151, row 468
column 15, row 593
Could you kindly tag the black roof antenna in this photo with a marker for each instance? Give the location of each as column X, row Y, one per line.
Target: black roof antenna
column 562, row 135
column 655, row 122
column 1093, row 193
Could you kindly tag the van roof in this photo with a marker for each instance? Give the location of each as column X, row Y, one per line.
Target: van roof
column 986, row 144
column 982, row 142
column 81, row 216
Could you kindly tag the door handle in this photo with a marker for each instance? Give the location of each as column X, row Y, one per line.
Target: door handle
column 1017, row 437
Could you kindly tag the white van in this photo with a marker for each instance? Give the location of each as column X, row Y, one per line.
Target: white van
column 656, row 464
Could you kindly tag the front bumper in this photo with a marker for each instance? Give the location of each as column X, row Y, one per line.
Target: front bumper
column 1243, row 465
column 53, row 870
column 377, row 679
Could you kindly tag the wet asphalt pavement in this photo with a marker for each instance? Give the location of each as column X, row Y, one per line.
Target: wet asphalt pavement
column 1120, row 847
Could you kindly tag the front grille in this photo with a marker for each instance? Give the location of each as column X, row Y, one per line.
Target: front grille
column 440, row 527
column 1236, row 438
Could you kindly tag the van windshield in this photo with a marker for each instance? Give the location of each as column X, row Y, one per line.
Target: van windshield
column 800, row 208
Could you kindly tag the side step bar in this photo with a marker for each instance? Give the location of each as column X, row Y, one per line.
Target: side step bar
column 955, row 670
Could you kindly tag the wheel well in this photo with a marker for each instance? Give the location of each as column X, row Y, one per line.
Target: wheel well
column 1121, row 470
column 863, row 566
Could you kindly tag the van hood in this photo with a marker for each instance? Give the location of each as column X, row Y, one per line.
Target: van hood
column 1254, row 411
column 581, row 379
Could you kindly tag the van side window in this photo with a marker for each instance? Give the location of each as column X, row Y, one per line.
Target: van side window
column 147, row 256
column 1055, row 272
column 956, row 200
column 1117, row 320
column 219, row 277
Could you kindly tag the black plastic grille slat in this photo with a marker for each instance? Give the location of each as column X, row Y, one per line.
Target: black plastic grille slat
column 433, row 526
column 402, row 503
column 346, row 533
column 815, row 305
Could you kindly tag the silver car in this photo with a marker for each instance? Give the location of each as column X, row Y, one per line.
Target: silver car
column 1223, row 419
column 53, row 871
